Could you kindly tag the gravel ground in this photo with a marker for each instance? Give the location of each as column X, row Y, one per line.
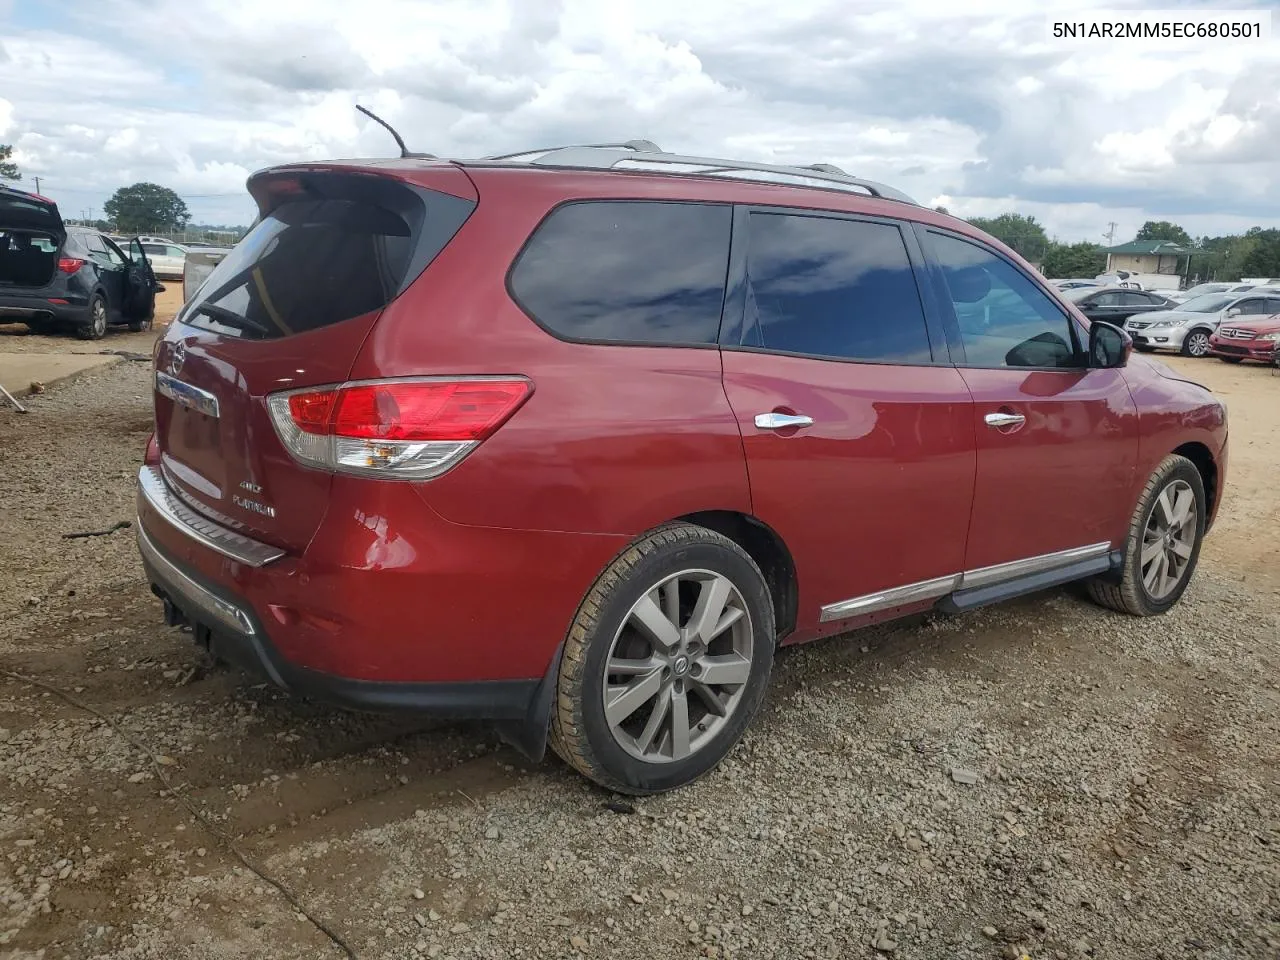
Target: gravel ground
column 1125, row 799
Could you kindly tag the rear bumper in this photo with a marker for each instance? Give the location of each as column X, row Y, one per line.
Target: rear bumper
column 20, row 307
column 227, row 626
column 388, row 608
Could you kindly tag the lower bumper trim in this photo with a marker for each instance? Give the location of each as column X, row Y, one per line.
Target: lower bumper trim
column 232, row 633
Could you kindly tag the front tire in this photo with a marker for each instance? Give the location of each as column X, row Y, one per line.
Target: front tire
column 666, row 662
column 1196, row 344
column 95, row 328
column 1163, row 544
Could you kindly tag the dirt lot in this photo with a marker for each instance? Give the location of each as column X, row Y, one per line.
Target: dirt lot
column 1128, row 803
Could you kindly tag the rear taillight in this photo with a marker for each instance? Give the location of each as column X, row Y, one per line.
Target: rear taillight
column 394, row 429
column 70, row 264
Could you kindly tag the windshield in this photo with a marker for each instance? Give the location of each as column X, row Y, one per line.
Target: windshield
column 1209, row 303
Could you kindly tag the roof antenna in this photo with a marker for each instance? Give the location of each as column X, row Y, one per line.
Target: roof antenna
column 404, row 151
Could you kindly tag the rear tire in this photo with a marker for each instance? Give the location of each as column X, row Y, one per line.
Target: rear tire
column 141, row 326
column 641, row 619
column 1231, row 359
column 95, row 328
column 1196, row 343
column 1160, row 553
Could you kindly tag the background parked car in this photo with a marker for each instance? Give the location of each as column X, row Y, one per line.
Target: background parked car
column 1238, row 340
column 1074, row 284
column 52, row 275
column 168, row 259
column 1188, row 327
column 1115, row 304
column 1200, row 289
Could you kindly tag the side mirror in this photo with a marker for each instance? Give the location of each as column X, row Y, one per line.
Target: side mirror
column 1234, row 312
column 1109, row 346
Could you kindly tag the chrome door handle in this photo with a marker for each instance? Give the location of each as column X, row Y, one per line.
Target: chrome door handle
column 998, row 420
column 781, row 421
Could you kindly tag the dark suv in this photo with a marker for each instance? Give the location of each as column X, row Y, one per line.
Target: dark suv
column 574, row 440
column 52, row 275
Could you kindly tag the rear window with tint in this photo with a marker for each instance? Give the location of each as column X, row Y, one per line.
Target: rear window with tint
column 341, row 252
column 637, row 271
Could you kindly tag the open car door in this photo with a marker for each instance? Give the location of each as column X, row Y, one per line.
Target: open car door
column 140, row 286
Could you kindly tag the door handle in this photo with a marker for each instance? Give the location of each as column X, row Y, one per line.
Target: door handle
column 781, row 421
column 998, row 420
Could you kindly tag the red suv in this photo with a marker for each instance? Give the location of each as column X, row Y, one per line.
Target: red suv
column 574, row 440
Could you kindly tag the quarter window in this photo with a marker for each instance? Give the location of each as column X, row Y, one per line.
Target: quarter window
column 645, row 272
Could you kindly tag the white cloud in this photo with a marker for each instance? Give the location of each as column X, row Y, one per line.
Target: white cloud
column 973, row 103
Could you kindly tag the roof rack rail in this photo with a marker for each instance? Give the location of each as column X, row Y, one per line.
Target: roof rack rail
column 644, row 155
column 636, row 146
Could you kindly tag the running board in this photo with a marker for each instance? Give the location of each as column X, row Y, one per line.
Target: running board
column 975, row 597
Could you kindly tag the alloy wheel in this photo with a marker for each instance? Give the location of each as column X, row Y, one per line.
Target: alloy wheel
column 1198, row 344
column 1169, row 540
column 678, row 666
column 99, row 318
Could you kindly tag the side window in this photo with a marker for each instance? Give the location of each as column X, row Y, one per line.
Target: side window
column 1273, row 305
column 113, row 254
column 1254, row 306
column 153, row 249
column 1108, row 299
column 1136, row 299
column 93, row 243
column 824, row 287
column 1005, row 320
column 627, row 271
column 174, row 251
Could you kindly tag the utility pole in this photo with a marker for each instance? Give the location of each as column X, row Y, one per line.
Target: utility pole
column 1111, row 233
column 37, row 180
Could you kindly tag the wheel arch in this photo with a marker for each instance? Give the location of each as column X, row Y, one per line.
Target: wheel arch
column 768, row 550
column 1200, row 455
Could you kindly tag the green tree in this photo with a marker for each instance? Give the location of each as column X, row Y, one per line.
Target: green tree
column 146, row 206
column 1164, row 230
column 941, row 209
column 1263, row 257
column 1223, row 258
column 8, row 169
column 1078, row 260
column 1023, row 234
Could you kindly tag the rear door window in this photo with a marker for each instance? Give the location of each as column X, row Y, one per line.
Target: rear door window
column 833, row 289
column 633, row 271
column 345, row 248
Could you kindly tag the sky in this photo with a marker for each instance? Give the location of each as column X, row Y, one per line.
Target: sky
column 971, row 105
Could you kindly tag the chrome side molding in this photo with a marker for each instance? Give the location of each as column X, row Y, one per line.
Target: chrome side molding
column 895, row 597
column 985, row 576
column 969, row 579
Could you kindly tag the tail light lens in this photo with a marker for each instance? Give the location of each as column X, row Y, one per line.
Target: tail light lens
column 70, row 264
column 394, row 429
